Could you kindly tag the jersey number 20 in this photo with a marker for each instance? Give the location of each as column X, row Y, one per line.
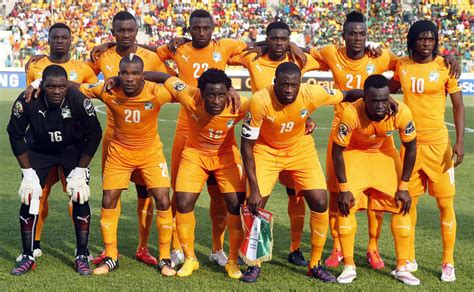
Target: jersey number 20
column 132, row 116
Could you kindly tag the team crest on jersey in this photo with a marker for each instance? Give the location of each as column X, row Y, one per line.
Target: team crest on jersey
column 329, row 90
column 66, row 113
column 248, row 117
column 370, row 69
column 230, row 123
column 304, row 113
column 433, row 76
column 343, row 130
column 73, row 75
column 89, row 107
column 148, row 105
column 178, row 85
column 217, row 57
column 17, row 109
column 409, row 128
column 389, row 133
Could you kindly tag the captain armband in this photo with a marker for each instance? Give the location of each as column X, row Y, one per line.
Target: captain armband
column 250, row 133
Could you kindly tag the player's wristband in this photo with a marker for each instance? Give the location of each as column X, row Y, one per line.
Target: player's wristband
column 403, row 186
column 343, row 187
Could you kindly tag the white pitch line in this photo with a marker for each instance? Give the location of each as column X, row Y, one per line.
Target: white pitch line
column 469, row 130
column 97, row 109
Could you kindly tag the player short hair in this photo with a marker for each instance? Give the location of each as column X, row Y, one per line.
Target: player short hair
column 414, row 32
column 123, row 16
column 277, row 25
column 287, row 68
column 131, row 59
column 213, row 76
column 353, row 16
column 200, row 13
column 54, row 71
column 375, row 81
column 59, row 25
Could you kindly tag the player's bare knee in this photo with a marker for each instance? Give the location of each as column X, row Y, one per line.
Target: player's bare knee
column 317, row 200
column 162, row 198
column 110, row 199
column 232, row 203
column 184, row 202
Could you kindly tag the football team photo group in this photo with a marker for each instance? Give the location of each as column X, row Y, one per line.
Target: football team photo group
column 352, row 184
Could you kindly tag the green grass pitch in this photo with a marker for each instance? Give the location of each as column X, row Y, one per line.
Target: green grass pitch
column 55, row 270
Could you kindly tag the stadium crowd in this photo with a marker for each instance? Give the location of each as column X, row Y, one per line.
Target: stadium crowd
column 320, row 23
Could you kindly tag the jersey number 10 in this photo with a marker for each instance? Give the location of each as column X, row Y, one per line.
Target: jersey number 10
column 417, row 85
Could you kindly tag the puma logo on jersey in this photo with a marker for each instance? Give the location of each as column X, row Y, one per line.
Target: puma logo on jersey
column 404, row 72
column 186, row 58
column 43, row 113
column 86, row 219
column 109, row 67
column 339, row 67
column 259, row 68
column 271, row 119
column 24, row 219
column 322, row 235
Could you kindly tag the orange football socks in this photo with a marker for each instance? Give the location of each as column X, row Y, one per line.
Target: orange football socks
column 186, row 224
column 319, row 223
column 296, row 212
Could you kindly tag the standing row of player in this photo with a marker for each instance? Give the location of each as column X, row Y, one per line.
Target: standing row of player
column 272, row 140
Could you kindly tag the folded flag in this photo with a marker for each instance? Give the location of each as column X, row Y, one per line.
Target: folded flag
column 258, row 236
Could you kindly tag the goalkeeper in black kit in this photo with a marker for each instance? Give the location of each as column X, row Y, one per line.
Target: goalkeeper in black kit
column 59, row 129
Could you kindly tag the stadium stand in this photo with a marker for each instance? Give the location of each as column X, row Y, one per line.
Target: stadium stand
column 318, row 23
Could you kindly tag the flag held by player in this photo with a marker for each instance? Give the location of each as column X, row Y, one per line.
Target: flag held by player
column 258, row 236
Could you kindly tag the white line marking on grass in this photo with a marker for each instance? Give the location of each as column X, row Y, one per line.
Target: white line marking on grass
column 98, row 109
column 469, row 130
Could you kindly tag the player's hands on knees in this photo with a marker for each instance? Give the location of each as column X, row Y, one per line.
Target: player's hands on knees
column 33, row 90
column 404, row 198
column 78, row 185
column 346, row 201
column 99, row 50
column 254, row 201
column 30, row 187
column 453, row 65
column 175, row 43
column 33, row 59
column 309, row 126
column 458, row 152
column 234, row 99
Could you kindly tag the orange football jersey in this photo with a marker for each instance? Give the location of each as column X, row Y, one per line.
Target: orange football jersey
column 108, row 64
column 135, row 117
column 351, row 74
column 425, row 87
column 212, row 134
column 262, row 70
column 281, row 126
column 77, row 71
column 192, row 62
column 357, row 131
